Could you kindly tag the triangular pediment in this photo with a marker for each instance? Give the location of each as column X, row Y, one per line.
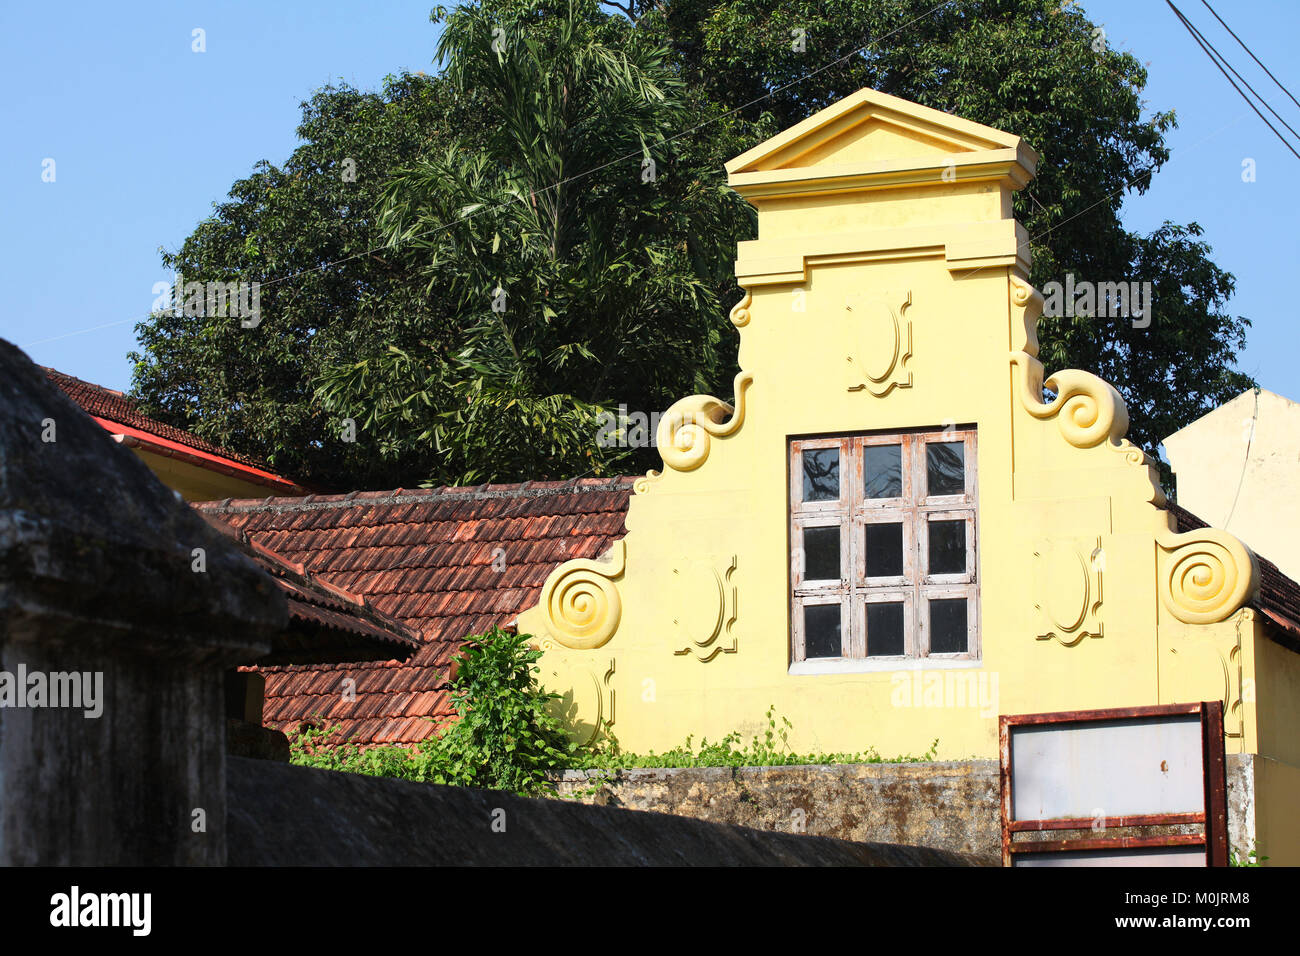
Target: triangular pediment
column 872, row 130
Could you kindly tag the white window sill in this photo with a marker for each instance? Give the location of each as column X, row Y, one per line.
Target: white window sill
column 856, row 665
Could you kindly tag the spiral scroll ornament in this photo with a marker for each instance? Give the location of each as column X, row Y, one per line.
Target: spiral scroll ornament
column 581, row 600
column 740, row 314
column 643, row 484
column 687, row 429
column 1205, row 575
column 1088, row 410
column 1029, row 302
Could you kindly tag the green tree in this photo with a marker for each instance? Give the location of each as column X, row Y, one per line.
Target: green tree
column 1040, row 69
column 251, row 389
column 580, row 259
column 520, row 169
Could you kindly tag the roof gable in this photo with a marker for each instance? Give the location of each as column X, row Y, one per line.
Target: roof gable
column 869, row 125
column 872, row 138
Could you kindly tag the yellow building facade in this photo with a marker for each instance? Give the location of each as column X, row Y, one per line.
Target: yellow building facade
column 894, row 535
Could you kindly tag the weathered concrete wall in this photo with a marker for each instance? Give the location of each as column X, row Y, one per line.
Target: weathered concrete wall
column 99, row 592
column 950, row 806
column 283, row 815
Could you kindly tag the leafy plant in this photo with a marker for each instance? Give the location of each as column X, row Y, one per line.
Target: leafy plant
column 771, row 749
column 1252, row 857
column 504, row 737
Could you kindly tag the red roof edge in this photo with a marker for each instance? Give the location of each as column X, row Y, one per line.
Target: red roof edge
column 119, row 415
column 135, row 438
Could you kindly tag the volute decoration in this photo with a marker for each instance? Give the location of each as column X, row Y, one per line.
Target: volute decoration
column 687, row 428
column 642, row 484
column 1029, row 301
column 582, row 602
column 740, row 314
column 1204, row 576
column 1087, row 409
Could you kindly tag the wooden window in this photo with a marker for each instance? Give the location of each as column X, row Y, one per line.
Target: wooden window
column 883, row 547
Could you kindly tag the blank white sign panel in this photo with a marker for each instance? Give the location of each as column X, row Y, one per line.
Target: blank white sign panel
column 1150, row 856
column 1107, row 768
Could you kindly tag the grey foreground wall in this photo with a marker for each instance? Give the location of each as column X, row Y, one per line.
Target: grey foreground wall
column 951, row 806
column 282, row 815
column 101, row 598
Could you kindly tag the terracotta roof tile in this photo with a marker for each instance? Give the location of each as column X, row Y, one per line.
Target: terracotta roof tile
column 425, row 558
column 116, row 407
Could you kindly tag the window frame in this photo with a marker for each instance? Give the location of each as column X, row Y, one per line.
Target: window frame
column 915, row 509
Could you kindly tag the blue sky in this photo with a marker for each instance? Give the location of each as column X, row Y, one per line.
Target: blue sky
column 146, row 134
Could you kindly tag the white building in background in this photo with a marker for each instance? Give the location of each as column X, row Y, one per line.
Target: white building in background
column 1239, row 469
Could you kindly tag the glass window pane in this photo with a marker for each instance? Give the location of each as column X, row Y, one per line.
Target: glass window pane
column 884, row 630
column 882, row 470
column 821, row 554
column 884, row 545
column 945, row 468
column 947, row 547
column 948, row 626
column 821, row 474
column 821, row 630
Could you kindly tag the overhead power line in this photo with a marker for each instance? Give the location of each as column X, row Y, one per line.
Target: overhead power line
column 1252, row 55
column 563, row 182
column 1215, row 56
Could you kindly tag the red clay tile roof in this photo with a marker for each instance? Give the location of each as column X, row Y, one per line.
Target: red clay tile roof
column 426, row 557
column 326, row 623
column 113, row 408
column 1279, row 596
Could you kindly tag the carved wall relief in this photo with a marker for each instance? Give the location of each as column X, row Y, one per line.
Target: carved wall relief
column 584, row 690
column 879, row 343
column 704, row 607
column 1067, row 588
column 1207, row 666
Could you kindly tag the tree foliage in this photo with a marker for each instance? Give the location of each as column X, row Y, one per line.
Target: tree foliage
column 577, row 260
column 1040, row 69
column 515, row 179
column 307, row 230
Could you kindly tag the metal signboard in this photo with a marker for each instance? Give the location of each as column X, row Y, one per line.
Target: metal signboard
column 1145, row 770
